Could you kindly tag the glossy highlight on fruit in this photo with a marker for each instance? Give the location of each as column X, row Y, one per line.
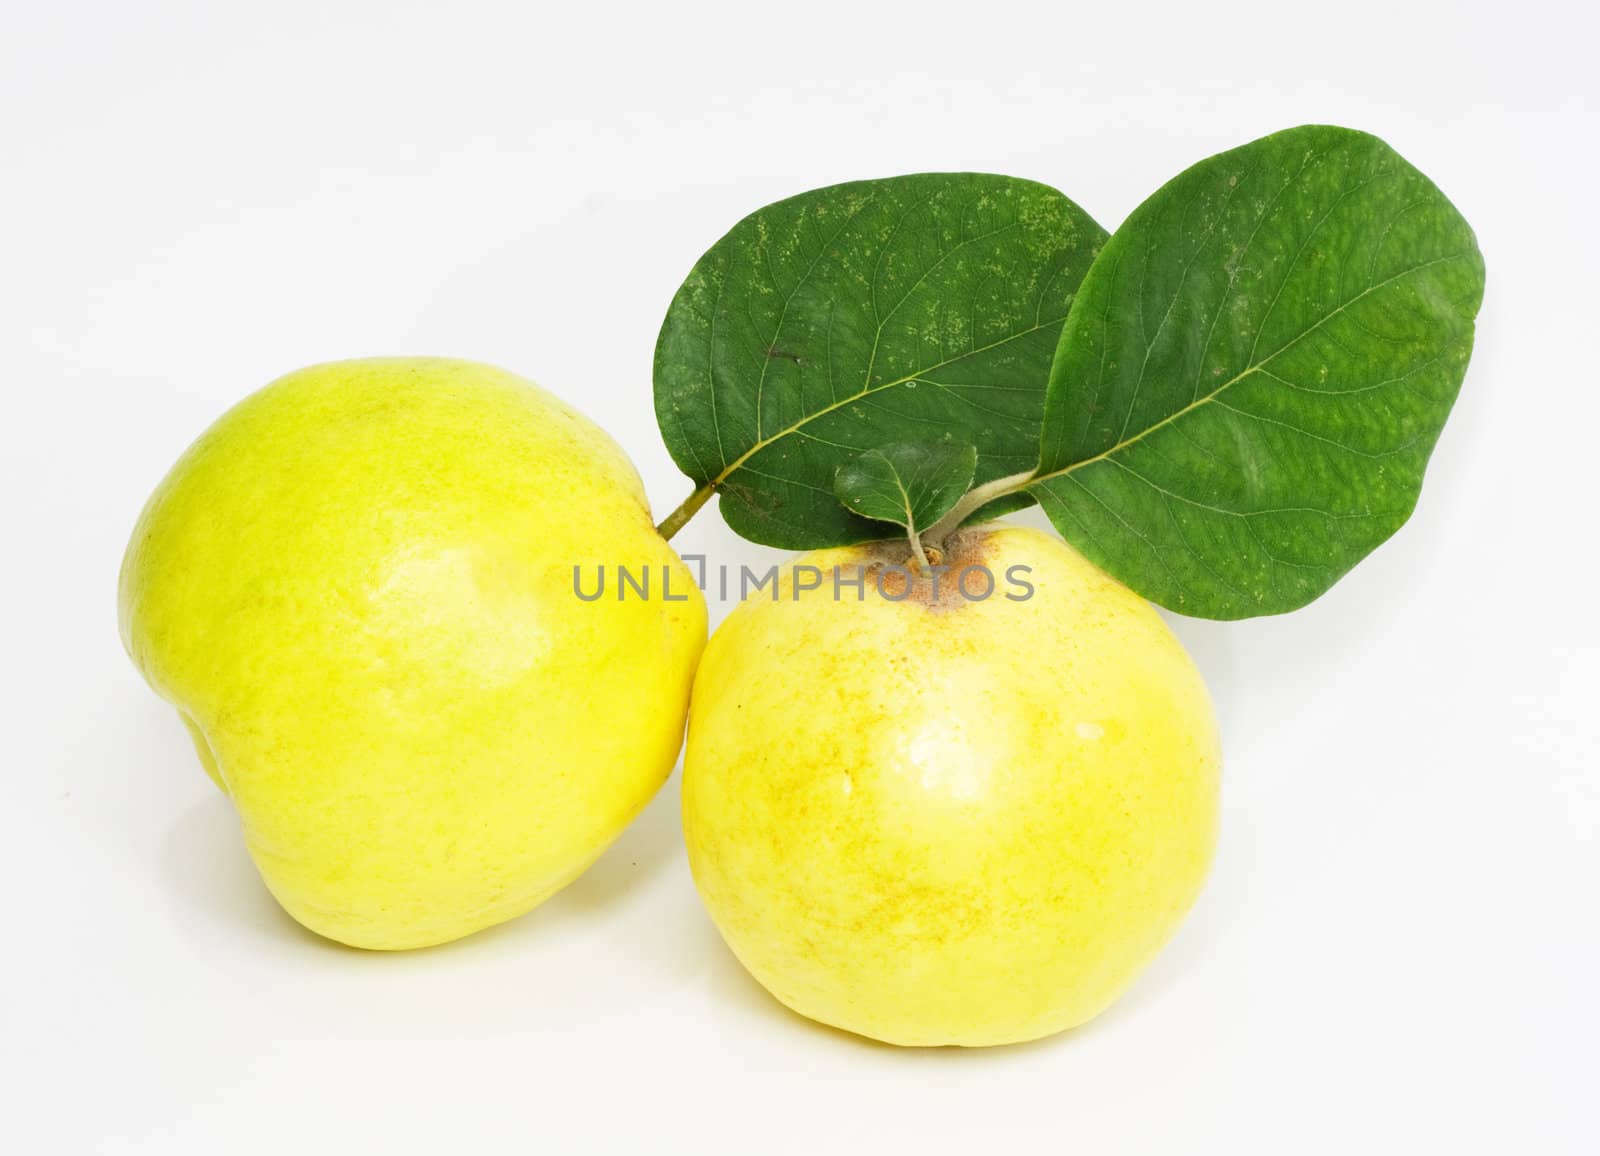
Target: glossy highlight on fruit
column 947, row 821
column 357, row 589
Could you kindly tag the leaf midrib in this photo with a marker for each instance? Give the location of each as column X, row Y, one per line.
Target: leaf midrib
column 797, row 427
column 1244, row 373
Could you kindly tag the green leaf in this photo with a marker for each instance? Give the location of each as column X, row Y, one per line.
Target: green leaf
column 858, row 316
column 1255, row 371
column 912, row 484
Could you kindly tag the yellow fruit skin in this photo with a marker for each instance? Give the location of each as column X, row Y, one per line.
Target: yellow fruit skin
column 950, row 822
column 357, row 588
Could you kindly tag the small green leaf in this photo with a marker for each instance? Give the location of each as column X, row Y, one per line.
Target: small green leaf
column 861, row 315
column 912, row 484
column 1255, row 371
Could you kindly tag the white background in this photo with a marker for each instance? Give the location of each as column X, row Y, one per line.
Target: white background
column 1398, row 948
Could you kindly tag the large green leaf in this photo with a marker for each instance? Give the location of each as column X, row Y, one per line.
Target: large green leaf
column 860, row 315
column 1255, row 371
column 912, row 484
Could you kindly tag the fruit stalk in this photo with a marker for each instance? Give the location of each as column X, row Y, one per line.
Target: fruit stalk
column 971, row 502
column 687, row 509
